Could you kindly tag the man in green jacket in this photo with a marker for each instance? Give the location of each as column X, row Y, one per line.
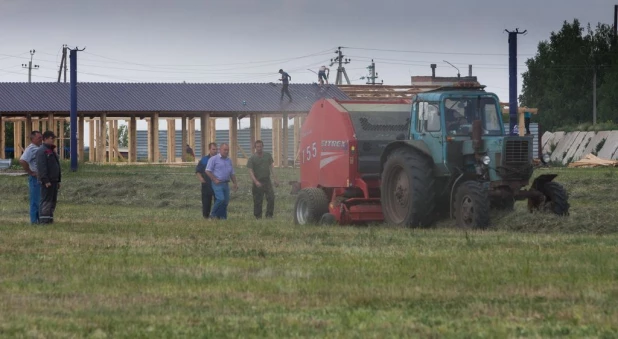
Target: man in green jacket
column 260, row 166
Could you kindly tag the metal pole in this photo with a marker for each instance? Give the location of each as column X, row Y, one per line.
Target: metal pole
column 594, row 96
column 513, row 111
column 29, row 71
column 73, row 119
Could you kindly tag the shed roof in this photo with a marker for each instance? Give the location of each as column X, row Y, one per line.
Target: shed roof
column 162, row 97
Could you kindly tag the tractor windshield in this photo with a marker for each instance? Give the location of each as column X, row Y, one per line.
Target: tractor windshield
column 460, row 112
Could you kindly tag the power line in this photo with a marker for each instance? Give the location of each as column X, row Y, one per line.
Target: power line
column 428, row 52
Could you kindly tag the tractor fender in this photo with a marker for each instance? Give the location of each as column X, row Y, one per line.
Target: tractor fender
column 541, row 180
column 417, row 145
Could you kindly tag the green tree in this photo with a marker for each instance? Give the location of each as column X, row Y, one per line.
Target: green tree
column 123, row 136
column 559, row 79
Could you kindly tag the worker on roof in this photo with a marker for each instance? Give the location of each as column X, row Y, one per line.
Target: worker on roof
column 285, row 77
column 322, row 75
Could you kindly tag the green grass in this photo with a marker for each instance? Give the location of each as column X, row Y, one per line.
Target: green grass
column 130, row 256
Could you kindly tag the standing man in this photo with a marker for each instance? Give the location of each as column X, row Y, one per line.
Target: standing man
column 200, row 172
column 527, row 117
column 221, row 171
column 285, row 77
column 322, row 76
column 28, row 162
column 49, row 174
column 260, row 167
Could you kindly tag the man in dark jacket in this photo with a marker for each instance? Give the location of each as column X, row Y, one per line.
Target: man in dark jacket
column 200, row 172
column 48, row 173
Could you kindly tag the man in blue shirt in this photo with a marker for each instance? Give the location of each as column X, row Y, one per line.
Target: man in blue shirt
column 28, row 162
column 200, row 172
column 221, row 171
column 285, row 77
column 527, row 117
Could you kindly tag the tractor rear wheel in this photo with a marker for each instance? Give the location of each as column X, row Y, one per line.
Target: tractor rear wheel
column 407, row 189
column 471, row 205
column 556, row 198
column 311, row 204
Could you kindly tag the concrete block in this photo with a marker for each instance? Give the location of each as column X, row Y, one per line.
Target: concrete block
column 546, row 138
column 574, row 147
column 609, row 148
column 592, row 145
column 579, row 153
column 563, row 146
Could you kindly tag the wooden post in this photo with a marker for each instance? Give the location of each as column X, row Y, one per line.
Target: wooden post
column 80, row 138
column 276, row 141
column 102, row 140
column 205, row 132
column 28, row 127
column 2, row 139
column 183, row 139
column 234, row 140
column 17, row 139
column 112, row 140
column 61, row 141
column 171, row 140
column 50, row 123
column 212, row 130
column 35, row 125
column 286, row 139
column 132, row 140
column 258, row 127
column 522, row 125
column 252, row 119
column 296, row 138
column 191, row 133
column 92, row 154
column 155, row 137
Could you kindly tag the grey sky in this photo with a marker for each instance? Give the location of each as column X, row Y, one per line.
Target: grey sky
column 197, row 41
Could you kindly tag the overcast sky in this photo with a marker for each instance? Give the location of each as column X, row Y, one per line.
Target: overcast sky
column 249, row 40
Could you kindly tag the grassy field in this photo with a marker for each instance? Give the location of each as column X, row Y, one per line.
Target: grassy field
column 130, row 256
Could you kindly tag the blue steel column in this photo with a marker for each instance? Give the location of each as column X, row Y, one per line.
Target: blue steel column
column 512, row 81
column 73, row 122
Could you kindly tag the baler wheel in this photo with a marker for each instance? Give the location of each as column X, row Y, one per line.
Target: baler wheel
column 472, row 205
column 311, row 204
column 556, row 198
column 407, row 192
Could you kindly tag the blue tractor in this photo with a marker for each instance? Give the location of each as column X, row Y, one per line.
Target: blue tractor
column 456, row 159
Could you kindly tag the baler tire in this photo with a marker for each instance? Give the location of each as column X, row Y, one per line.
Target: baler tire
column 328, row 219
column 317, row 205
column 471, row 195
column 417, row 170
column 558, row 198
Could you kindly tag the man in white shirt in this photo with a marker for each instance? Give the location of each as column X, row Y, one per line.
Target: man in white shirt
column 322, row 76
column 28, row 162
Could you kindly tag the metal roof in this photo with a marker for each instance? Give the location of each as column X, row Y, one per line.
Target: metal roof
column 161, row 97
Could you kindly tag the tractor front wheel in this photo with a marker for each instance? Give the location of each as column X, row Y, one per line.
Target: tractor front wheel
column 407, row 192
column 311, row 204
column 472, row 205
column 556, row 199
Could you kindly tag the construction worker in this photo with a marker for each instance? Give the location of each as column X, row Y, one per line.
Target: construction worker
column 322, row 75
column 285, row 77
column 261, row 166
column 527, row 117
column 49, row 175
column 28, row 162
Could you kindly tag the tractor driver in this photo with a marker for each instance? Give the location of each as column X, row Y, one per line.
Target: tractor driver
column 454, row 119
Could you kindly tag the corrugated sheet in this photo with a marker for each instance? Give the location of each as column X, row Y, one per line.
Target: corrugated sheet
column 244, row 140
column 161, row 97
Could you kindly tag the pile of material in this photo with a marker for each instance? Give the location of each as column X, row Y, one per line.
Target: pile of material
column 591, row 160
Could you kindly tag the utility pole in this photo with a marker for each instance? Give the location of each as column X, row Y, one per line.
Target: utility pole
column 73, row 119
column 63, row 63
column 373, row 75
column 513, row 107
column 340, row 70
column 29, row 66
column 594, row 95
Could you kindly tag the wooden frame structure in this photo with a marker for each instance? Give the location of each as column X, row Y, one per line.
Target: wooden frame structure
column 104, row 126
